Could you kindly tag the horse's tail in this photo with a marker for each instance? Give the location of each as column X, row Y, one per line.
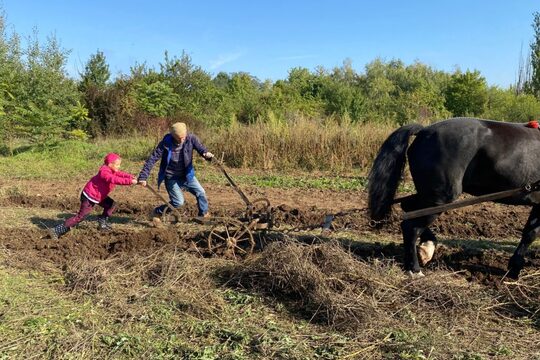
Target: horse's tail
column 387, row 169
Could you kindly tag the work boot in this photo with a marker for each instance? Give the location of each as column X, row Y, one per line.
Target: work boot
column 57, row 231
column 103, row 224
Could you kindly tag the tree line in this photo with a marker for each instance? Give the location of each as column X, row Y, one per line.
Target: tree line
column 41, row 103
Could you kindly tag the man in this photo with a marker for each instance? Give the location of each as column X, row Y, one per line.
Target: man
column 176, row 167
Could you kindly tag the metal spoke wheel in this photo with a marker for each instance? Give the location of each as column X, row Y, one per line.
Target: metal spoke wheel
column 231, row 239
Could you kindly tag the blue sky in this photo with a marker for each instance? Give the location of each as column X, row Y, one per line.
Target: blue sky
column 267, row 38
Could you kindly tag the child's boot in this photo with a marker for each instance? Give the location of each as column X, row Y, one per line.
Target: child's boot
column 57, row 231
column 103, row 223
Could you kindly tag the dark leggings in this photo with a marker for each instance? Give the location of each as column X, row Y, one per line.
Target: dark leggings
column 86, row 208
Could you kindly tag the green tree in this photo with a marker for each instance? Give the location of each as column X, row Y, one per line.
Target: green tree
column 11, row 83
column 221, row 80
column 535, row 57
column 379, row 88
column 466, row 94
column 343, row 99
column 96, row 93
column 418, row 93
column 506, row 105
column 400, row 94
column 46, row 104
column 156, row 99
column 246, row 92
column 304, row 83
column 342, row 93
column 96, row 72
column 191, row 83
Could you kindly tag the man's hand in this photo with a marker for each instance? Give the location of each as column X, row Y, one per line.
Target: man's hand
column 142, row 182
column 208, row 155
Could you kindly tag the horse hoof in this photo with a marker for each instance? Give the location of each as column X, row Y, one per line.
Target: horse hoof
column 425, row 252
column 415, row 275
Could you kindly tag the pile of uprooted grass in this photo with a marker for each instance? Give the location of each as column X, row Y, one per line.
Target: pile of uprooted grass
column 372, row 303
column 523, row 296
column 330, row 285
column 124, row 282
column 322, row 282
column 443, row 311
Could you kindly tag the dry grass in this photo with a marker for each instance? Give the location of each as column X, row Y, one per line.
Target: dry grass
column 367, row 309
column 295, row 144
column 327, row 283
column 523, row 295
column 299, row 144
column 442, row 314
column 4, row 253
column 124, row 281
column 335, row 288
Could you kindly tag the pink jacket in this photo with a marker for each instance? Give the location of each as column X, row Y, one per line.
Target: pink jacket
column 97, row 189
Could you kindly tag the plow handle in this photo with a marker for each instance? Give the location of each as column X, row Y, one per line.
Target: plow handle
column 220, row 166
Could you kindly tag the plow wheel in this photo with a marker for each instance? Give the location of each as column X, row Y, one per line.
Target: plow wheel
column 231, row 239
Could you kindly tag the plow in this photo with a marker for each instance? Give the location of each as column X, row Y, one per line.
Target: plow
column 234, row 237
column 228, row 236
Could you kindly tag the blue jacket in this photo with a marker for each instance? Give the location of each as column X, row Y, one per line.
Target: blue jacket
column 162, row 152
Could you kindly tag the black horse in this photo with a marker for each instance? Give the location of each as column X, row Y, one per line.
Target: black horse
column 448, row 158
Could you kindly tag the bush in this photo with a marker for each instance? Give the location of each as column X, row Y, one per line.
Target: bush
column 506, row 105
column 466, row 94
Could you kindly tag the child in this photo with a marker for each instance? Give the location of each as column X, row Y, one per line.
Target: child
column 95, row 192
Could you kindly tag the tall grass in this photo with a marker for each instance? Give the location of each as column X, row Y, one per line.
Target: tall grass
column 302, row 144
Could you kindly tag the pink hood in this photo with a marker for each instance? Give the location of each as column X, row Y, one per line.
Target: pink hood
column 99, row 187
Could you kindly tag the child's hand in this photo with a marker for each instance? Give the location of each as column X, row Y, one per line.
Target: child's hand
column 134, row 181
column 142, row 182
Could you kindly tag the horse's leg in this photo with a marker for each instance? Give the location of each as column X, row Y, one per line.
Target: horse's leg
column 419, row 227
column 427, row 245
column 529, row 233
column 412, row 229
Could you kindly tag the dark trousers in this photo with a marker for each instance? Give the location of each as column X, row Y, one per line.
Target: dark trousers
column 86, row 208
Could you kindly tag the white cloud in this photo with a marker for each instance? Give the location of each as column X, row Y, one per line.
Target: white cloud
column 223, row 59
